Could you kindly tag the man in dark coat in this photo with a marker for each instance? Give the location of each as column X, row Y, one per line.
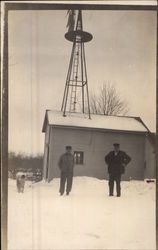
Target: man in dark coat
column 116, row 161
column 66, row 165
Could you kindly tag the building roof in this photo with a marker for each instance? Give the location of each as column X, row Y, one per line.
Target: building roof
column 103, row 122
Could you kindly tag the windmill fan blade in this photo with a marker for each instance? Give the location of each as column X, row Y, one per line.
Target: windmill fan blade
column 71, row 20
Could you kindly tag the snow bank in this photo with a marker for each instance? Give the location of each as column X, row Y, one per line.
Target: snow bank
column 87, row 219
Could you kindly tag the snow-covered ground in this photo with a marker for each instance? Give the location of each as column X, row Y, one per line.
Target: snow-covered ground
column 86, row 219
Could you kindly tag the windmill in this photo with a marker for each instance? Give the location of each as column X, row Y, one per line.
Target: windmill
column 76, row 97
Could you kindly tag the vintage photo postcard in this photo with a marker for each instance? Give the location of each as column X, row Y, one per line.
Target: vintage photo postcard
column 79, row 125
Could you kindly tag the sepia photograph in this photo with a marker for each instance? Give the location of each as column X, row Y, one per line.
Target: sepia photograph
column 81, row 105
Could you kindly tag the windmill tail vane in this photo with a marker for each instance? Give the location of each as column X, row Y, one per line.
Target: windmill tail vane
column 71, row 20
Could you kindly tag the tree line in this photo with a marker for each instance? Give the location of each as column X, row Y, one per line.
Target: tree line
column 18, row 162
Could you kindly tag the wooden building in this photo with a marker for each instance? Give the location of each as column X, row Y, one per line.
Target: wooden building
column 91, row 139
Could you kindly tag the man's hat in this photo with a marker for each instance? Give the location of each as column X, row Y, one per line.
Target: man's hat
column 68, row 147
column 116, row 144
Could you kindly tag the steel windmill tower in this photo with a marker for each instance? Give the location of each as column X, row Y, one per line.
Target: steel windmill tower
column 76, row 97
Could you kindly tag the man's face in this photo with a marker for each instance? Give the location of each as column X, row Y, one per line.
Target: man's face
column 116, row 148
column 68, row 150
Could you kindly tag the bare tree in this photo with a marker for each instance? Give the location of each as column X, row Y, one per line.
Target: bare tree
column 108, row 102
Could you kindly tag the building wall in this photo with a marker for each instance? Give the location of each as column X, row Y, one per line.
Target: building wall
column 46, row 152
column 150, row 161
column 95, row 145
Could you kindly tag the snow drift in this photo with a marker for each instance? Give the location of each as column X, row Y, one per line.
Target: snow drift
column 86, row 219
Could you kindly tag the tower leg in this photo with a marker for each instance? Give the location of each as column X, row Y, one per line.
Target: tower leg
column 65, row 97
column 86, row 83
column 82, row 76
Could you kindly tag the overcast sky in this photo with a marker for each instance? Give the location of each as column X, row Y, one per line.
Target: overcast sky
column 123, row 51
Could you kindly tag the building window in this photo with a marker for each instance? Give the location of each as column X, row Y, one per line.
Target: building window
column 78, row 156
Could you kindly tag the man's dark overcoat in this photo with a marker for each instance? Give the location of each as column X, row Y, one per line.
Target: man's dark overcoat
column 117, row 162
column 66, row 163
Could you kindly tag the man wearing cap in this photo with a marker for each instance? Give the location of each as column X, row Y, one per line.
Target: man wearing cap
column 116, row 161
column 66, row 165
